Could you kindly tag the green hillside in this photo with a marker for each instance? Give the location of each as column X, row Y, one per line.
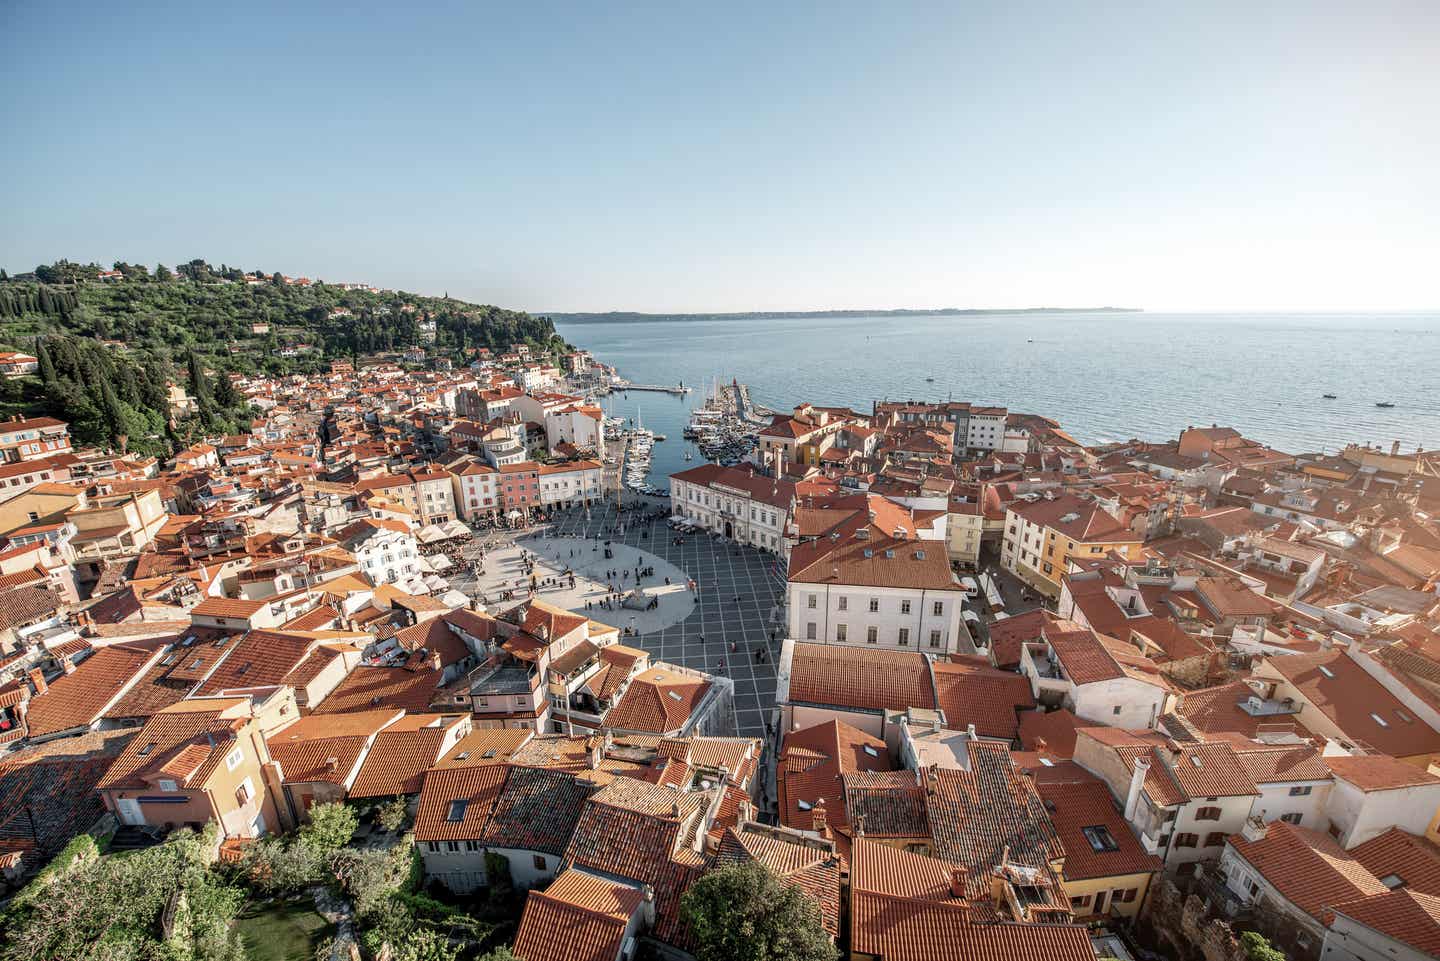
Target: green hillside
column 109, row 347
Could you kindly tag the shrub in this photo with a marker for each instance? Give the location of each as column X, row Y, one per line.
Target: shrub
column 392, row 815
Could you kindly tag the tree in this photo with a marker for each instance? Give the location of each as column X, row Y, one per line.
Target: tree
column 501, row 953
column 47, row 363
column 331, row 827
column 163, row 274
column 1258, row 948
column 742, row 912
column 392, row 814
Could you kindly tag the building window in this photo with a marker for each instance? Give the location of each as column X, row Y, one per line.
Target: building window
column 1116, row 710
column 904, row 607
column 1300, row 790
column 539, row 862
column 1130, row 895
column 934, row 638
column 432, row 846
column 1215, row 839
column 1082, row 901
column 244, row 792
column 871, row 635
column 233, row 759
column 904, row 637
column 1100, row 838
column 840, row 632
column 844, row 603
column 874, row 605
column 457, row 810
column 810, row 602
column 452, row 847
column 1294, row 817
column 1186, row 840
column 166, row 784
column 1208, row 814
column 938, row 608
column 472, row 845
column 810, row 631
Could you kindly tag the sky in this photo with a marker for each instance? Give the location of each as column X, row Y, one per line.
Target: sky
column 732, row 156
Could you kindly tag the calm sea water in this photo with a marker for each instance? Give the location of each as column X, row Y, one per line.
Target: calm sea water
column 1103, row 376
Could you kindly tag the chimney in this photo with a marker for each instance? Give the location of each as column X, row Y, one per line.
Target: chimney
column 859, row 825
column 67, row 663
column 37, row 681
column 818, row 820
column 970, row 731
column 1254, row 829
column 1137, row 781
column 433, row 661
column 957, row 882
column 1395, row 449
column 1040, row 745
column 597, row 752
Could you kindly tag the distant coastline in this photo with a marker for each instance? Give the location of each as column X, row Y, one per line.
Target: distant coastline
column 635, row 317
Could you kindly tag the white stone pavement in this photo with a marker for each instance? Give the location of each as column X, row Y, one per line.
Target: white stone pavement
column 593, row 580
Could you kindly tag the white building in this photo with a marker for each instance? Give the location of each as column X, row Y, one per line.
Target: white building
column 1182, row 799
column 570, row 484
column 871, row 577
column 735, row 503
column 385, row 549
column 1099, row 679
column 986, row 428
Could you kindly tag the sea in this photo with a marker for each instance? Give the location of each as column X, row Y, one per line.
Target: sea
column 1104, row 376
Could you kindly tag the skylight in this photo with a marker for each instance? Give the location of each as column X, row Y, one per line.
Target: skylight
column 674, row 696
column 1326, row 671
column 1378, row 719
column 806, row 805
column 1393, row 881
column 457, row 810
column 870, row 750
column 1100, row 838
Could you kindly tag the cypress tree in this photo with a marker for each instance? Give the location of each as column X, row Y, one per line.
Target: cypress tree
column 47, row 363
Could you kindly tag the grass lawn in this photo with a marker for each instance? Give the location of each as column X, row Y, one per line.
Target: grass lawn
column 282, row 931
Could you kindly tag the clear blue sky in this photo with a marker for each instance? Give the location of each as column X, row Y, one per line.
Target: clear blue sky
column 729, row 156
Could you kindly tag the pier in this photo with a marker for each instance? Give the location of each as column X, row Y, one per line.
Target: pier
column 679, row 390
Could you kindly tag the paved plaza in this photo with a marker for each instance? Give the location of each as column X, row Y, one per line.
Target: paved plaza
column 738, row 588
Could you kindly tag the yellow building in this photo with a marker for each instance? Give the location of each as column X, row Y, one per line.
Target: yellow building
column 1043, row 535
column 965, row 526
column 44, row 503
column 1106, row 871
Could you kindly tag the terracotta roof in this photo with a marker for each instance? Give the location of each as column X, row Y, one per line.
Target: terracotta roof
column 1216, row 710
column 811, row 764
column 258, row 659
column 401, row 755
column 1055, row 728
column 1348, row 696
column 901, row 912
column 1415, row 860
column 658, row 700
column 987, row 697
column 536, row 810
column 980, row 814
column 455, row 802
column 188, row 739
column 854, row 677
column 1378, row 772
column 879, row 558
column 886, row 804
column 579, row 917
column 1407, row 916
column 1080, row 805
column 1309, row 869
column 367, row 687
column 802, row 863
column 76, row 700
column 484, row 747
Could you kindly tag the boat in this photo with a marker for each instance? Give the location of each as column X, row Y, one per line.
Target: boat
column 658, row 437
column 1328, row 396
column 1384, row 403
column 929, row 380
